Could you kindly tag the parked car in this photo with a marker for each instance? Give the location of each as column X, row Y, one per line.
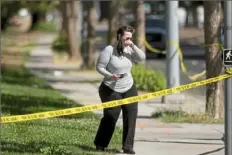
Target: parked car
column 155, row 32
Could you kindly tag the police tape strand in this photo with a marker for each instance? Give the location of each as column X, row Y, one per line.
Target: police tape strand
column 77, row 110
column 179, row 51
column 183, row 67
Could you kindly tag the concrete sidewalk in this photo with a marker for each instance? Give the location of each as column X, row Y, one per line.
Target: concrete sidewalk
column 152, row 136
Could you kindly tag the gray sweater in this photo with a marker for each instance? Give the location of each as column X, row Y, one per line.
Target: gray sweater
column 109, row 63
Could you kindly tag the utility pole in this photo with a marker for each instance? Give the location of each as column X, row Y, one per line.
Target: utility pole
column 228, row 82
column 172, row 58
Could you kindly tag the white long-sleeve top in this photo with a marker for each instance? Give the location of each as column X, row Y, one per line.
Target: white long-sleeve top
column 110, row 62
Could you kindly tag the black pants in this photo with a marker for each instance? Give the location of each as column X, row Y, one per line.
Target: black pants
column 111, row 115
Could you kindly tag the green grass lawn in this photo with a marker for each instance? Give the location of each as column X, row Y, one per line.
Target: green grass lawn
column 23, row 93
column 183, row 117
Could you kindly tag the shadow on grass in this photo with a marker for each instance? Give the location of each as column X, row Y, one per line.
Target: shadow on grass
column 15, row 54
column 18, row 105
column 41, row 147
column 18, row 75
column 38, row 147
column 33, row 147
column 90, row 148
column 8, row 43
column 22, row 103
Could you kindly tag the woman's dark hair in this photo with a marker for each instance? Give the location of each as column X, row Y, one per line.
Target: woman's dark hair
column 120, row 33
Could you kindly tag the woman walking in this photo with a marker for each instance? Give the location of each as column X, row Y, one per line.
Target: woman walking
column 115, row 63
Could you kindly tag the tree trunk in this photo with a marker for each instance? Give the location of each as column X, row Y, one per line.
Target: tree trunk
column 188, row 9
column 214, row 67
column 4, row 23
column 89, row 60
column 113, row 21
column 140, row 25
column 72, row 33
column 195, row 20
column 63, row 11
column 35, row 20
column 104, row 7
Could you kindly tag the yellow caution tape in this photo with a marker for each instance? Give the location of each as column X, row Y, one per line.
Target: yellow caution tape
column 215, row 44
column 183, row 67
column 76, row 110
column 229, row 70
column 180, row 53
column 148, row 46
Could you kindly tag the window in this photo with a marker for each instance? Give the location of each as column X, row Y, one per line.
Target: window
column 154, row 37
column 156, row 23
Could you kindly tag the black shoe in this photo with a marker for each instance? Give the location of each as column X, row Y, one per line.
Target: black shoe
column 100, row 148
column 128, row 151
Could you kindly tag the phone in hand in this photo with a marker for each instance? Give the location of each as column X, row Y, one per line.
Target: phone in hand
column 123, row 75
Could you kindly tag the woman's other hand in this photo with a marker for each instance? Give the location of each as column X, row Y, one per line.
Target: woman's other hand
column 115, row 77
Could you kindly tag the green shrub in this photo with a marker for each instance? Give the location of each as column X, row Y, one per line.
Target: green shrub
column 147, row 79
column 46, row 26
column 60, row 44
column 179, row 116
